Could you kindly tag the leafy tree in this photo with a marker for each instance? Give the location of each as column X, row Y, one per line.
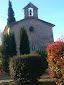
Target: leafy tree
column 55, row 59
column 11, row 17
column 23, row 42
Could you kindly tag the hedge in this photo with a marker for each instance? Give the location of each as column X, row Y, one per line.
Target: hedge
column 26, row 68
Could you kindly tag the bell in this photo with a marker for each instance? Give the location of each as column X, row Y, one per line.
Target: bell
column 30, row 12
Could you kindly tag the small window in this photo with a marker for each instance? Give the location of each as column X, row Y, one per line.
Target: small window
column 33, row 48
column 31, row 29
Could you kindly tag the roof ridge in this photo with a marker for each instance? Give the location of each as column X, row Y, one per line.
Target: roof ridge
column 35, row 19
column 29, row 5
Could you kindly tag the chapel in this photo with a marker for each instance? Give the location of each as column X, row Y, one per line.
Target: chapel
column 39, row 32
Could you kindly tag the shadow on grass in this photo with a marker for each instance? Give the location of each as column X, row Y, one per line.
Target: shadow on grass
column 45, row 83
column 38, row 83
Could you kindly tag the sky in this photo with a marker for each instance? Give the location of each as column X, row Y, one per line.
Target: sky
column 51, row 11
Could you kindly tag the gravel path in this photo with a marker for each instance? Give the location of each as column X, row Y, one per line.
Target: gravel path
column 5, row 80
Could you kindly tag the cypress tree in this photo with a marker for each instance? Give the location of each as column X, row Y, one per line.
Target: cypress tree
column 23, row 42
column 11, row 17
column 6, row 45
column 5, row 51
column 9, row 45
column 8, row 49
column 12, row 45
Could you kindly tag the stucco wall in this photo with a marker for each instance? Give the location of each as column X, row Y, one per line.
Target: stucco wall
column 40, row 37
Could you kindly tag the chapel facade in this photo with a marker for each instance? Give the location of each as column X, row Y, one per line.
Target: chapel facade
column 39, row 32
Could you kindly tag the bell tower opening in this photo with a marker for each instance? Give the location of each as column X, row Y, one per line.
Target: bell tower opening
column 30, row 12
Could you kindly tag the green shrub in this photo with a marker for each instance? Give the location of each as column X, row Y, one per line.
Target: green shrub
column 43, row 54
column 4, row 83
column 26, row 68
column 5, row 64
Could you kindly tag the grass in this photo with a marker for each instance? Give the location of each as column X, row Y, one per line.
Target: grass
column 38, row 83
column 4, row 76
column 45, row 80
column 45, row 83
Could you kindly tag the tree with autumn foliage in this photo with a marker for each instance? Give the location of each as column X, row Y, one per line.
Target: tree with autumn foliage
column 55, row 59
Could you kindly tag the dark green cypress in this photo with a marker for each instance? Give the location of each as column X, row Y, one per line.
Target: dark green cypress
column 8, row 49
column 6, row 45
column 11, row 17
column 23, row 42
column 9, row 45
column 12, row 44
column 5, row 51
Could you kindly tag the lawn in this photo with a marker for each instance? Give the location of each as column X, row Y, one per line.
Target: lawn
column 40, row 82
column 4, row 76
column 44, row 81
